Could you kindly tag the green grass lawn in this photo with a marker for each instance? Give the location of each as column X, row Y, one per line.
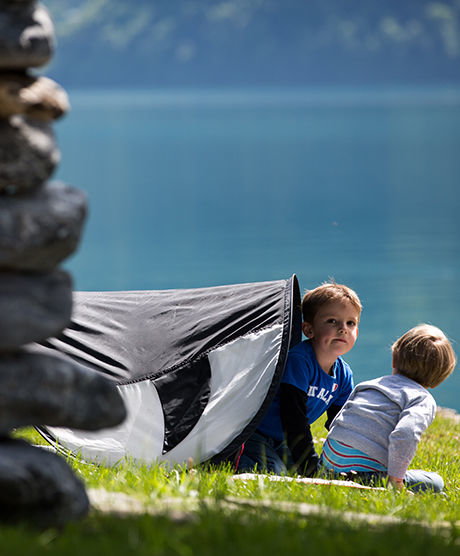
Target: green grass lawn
column 252, row 523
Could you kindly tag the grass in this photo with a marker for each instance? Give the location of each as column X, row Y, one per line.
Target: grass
column 256, row 529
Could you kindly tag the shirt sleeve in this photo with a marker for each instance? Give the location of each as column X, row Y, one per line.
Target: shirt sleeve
column 403, row 441
column 297, row 429
column 332, row 412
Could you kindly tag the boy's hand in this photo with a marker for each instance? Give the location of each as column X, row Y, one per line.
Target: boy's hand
column 310, row 467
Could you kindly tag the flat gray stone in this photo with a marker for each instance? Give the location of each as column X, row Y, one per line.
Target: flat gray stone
column 38, row 388
column 40, row 229
column 28, row 154
column 35, row 97
column 38, row 487
column 26, row 35
column 33, row 307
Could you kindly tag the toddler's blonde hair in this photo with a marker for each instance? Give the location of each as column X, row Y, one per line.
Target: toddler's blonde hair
column 425, row 355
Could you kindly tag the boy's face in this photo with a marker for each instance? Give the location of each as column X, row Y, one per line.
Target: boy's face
column 334, row 329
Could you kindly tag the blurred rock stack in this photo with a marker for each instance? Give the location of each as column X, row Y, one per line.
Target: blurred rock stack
column 40, row 225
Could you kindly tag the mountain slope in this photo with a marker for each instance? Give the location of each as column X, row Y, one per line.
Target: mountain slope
column 254, row 42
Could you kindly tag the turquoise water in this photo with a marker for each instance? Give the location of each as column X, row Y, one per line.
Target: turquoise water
column 197, row 188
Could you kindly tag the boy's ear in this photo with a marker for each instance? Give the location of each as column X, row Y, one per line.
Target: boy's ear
column 393, row 364
column 307, row 329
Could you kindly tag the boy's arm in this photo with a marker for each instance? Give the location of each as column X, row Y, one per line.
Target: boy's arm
column 332, row 411
column 297, row 429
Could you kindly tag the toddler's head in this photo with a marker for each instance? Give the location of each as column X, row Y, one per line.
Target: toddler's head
column 425, row 355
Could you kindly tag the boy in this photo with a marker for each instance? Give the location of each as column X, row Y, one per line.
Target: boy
column 377, row 431
column 315, row 380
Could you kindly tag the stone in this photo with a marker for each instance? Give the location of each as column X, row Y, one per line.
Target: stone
column 28, row 153
column 33, row 307
column 26, row 35
column 40, row 388
column 35, row 97
column 40, row 229
column 38, row 487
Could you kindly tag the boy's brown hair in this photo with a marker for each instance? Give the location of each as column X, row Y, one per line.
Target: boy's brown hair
column 425, row 355
column 325, row 293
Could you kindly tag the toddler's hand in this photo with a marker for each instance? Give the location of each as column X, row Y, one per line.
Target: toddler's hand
column 396, row 483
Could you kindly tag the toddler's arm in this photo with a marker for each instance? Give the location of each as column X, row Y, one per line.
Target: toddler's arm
column 405, row 437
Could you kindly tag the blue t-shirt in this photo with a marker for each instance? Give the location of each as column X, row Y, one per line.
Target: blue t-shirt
column 323, row 390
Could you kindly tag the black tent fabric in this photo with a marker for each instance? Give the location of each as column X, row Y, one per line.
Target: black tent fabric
column 197, row 368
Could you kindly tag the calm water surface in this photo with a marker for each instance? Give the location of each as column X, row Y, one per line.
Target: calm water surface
column 199, row 188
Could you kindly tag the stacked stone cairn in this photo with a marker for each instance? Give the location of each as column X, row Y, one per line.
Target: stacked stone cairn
column 40, row 225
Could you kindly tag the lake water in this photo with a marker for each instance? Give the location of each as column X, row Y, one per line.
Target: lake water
column 199, row 188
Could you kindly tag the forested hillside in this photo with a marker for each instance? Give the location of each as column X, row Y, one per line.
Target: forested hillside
column 255, row 42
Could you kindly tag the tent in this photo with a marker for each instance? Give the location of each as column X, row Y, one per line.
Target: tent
column 196, row 368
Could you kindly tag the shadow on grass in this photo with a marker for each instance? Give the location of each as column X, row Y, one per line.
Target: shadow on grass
column 222, row 533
